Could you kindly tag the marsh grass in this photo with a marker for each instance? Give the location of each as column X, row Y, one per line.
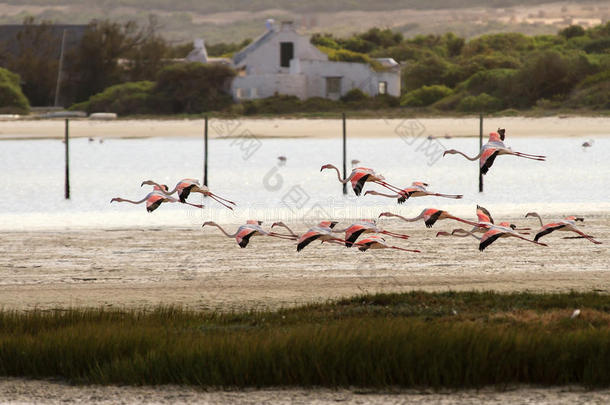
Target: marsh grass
column 417, row 339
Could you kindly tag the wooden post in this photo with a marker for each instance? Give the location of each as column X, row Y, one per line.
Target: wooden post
column 205, row 152
column 480, row 146
column 67, row 141
column 60, row 68
column 344, row 156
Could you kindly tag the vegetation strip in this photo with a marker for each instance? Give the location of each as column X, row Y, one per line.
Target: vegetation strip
column 417, row 339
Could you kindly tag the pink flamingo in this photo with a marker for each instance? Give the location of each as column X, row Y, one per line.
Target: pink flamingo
column 503, row 230
column 485, row 222
column 245, row 232
column 353, row 232
column 430, row 216
column 567, row 225
column 417, row 189
column 493, row 148
column 361, row 175
column 153, row 200
column 377, row 242
column 323, row 232
column 187, row 186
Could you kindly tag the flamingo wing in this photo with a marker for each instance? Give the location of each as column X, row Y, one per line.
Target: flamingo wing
column 184, row 190
column 358, row 181
column 487, row 159
column 306, row 239
column 406, row 194
column 489, row 237
column 353, row 233
column 243, row 236
column 545, row 230
column 484, row 215
column 432, row 217
column 153, row 202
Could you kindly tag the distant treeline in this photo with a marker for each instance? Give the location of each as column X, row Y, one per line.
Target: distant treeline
column 127, row 69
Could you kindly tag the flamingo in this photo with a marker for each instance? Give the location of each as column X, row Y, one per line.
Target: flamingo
column 493, row 148
column 153, row 200
column 187, row 186
column 323, row 232
column 377, row 242
column 503, row 230
column 417, row 189
column 430, row 216
column 361, row 175
column 353, row 232
column 485, row 223
column 245, row 232
column 568, row 224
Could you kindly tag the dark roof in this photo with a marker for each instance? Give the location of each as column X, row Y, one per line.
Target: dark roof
column 9, row 33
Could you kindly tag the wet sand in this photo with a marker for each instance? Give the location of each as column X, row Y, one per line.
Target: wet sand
column 312, row 128
column 49, row 392
column 202, row 269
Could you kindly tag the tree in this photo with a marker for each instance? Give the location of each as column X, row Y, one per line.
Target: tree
column 101, row 59
column 35, row 57
column 194, row 87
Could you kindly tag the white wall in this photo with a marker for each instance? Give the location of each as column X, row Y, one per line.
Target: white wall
column 267, row 85
column 354, row 75
column 266, row 58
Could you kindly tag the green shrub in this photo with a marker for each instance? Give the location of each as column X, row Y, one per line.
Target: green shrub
column 496, row 82
column 280, row 104
column 355, row 95
column 123, row 99
column 425, row 96
column 480, row 103
column 12, row 99
column 595, row 96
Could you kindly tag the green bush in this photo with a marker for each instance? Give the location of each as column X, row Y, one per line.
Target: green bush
column 480, row 103
column 425, row 96
column 280, row 104
column 12, row 99
column 595, row 96
column 123, row 99
column 355, row 95
column 496, row 82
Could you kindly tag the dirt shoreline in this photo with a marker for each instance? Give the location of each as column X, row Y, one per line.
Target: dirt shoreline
column 14, row 390
column 306, row 128
column 201, row 269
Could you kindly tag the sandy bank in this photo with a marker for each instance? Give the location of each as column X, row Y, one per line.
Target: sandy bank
column 319, row 128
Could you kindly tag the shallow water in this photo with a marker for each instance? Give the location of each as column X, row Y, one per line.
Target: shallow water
column 572, row 180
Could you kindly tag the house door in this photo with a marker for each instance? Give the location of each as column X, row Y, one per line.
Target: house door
column 333, row 87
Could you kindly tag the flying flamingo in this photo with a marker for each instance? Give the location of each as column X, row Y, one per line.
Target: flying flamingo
column 153, row 200
column 568, row 225
column 361, row 175
column 377, row 242
column 430, row 216
column 187, row 186
column 323, row 232
column 493, row 148
column 353, row 232
column 245, row 232
column 503, row 230
column 417, row 189
column 485, row 223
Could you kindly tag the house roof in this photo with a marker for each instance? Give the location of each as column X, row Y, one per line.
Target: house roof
column 254, row 45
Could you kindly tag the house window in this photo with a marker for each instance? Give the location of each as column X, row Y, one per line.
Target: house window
column 382, row 88
column 286, row 53
column 239, row 93
column 253, row 92
column 333, row 86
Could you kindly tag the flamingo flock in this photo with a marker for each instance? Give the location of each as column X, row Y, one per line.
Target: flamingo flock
column 366, row 234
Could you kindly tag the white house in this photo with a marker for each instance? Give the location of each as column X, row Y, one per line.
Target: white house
column 281, row 61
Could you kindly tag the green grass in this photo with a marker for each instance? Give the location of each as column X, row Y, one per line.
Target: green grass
column 449, row 340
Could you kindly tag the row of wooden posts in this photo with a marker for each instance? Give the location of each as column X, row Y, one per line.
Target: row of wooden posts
column 205, row 154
